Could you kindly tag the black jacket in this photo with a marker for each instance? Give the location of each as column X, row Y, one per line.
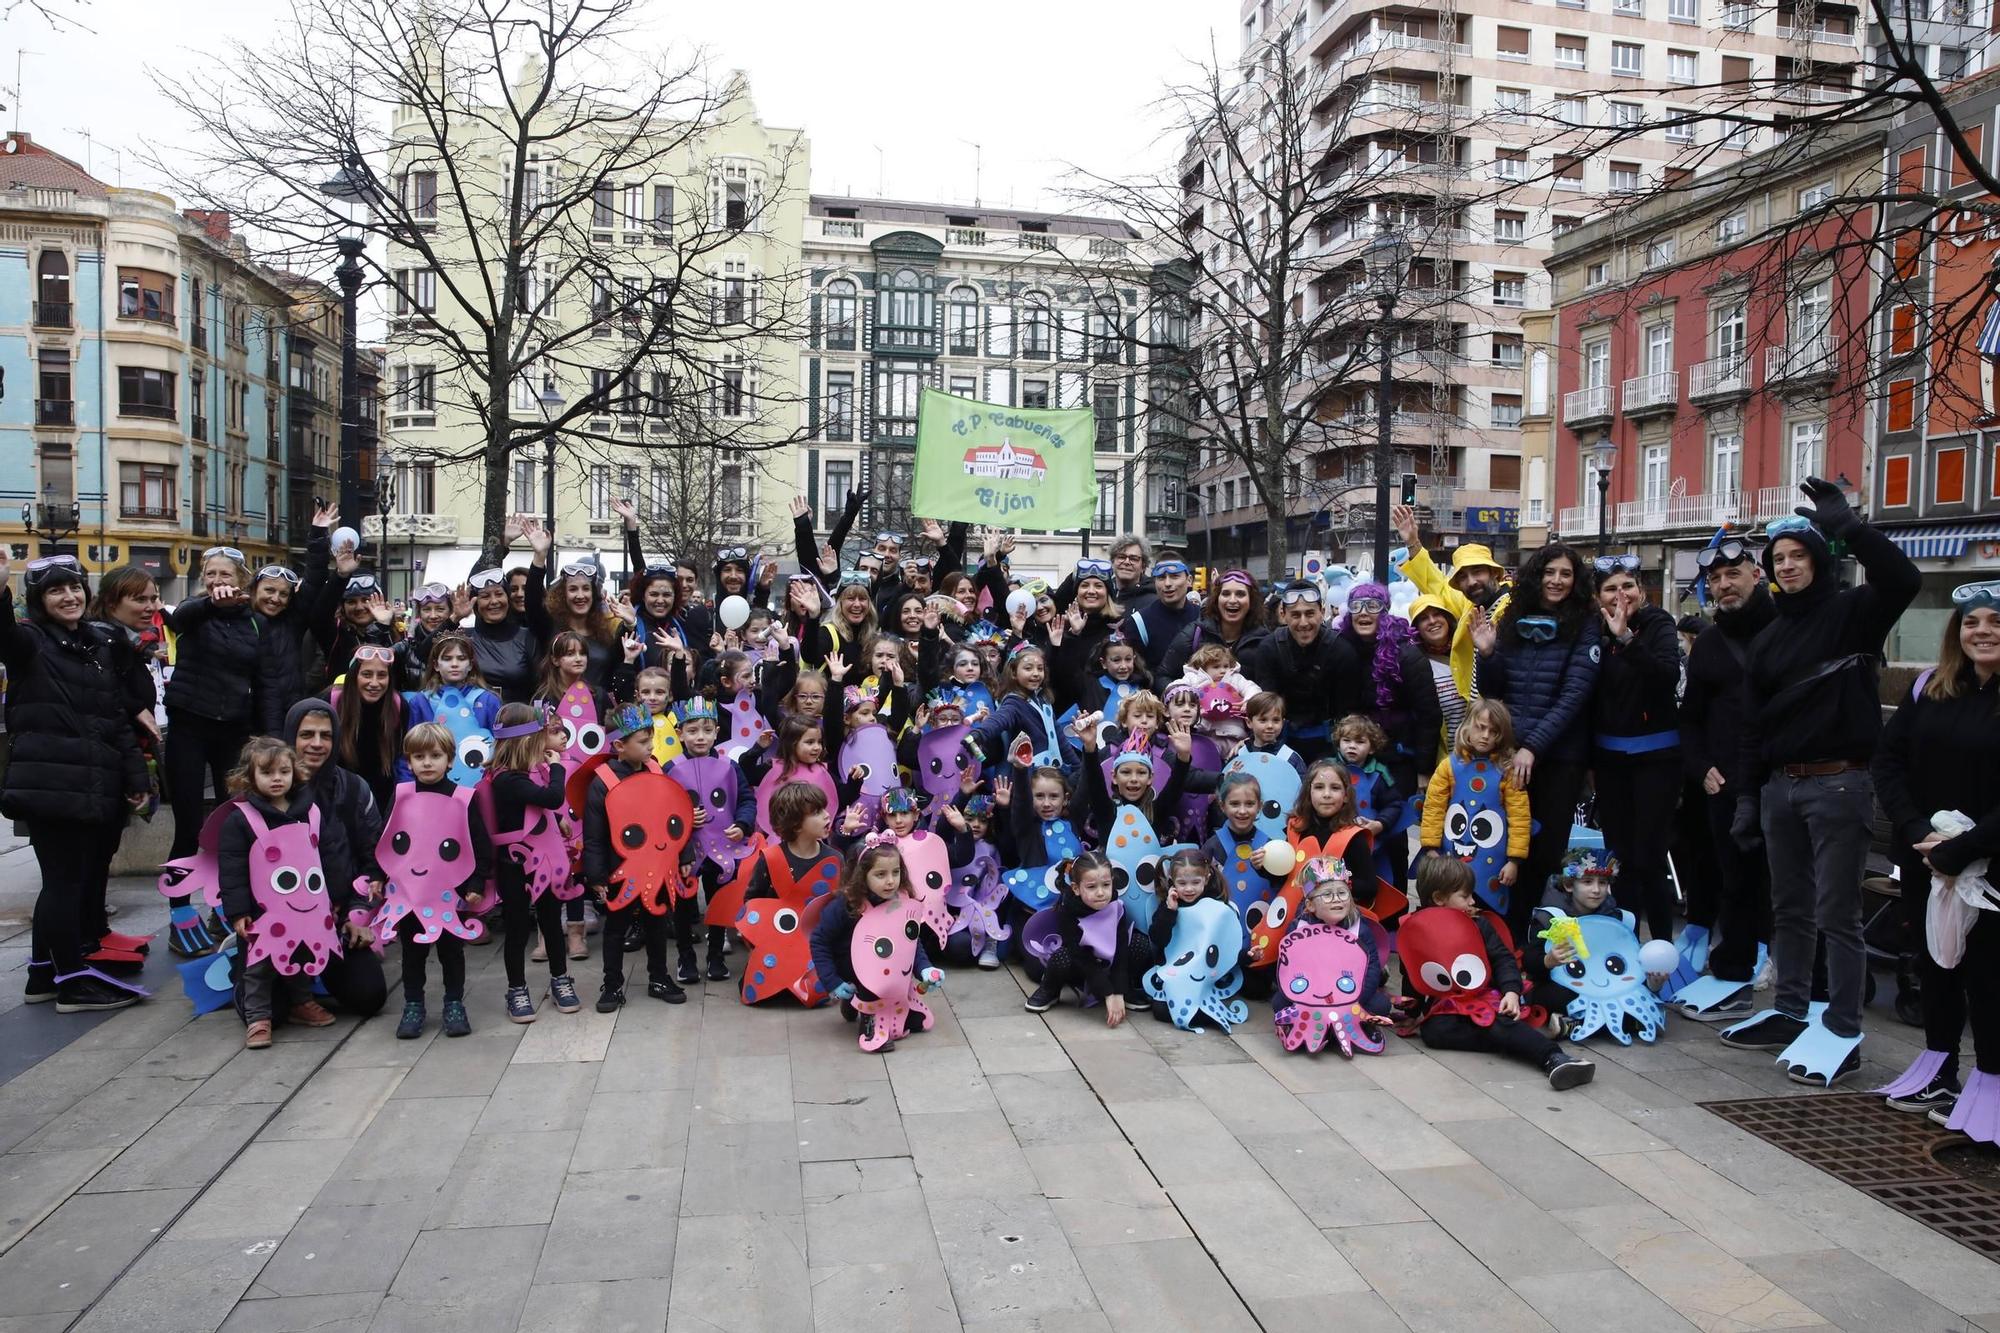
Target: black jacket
column 1712, row 706
column 508, row 658
column 1944, row 754
column 215, row 660
column 1637, row 681
column 600, row 858
column 281, row 661
column 1321, row 681
column 75, row 755
column 1547, row 687
column 1154, row 627
column 1798, row 707
column 1200, row 634
column 343, row 798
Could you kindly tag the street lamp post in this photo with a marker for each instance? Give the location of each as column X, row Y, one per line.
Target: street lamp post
column 385, row 500
column 1387, row 259
column 551, row 403
column 347, row 196
column 1603, row 459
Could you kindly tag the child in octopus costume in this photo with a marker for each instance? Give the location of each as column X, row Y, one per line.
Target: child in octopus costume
column 273, row 875
column 1323, row 824
column 868, row 949
column 1468, row 982
column 725, row 817
column 1330, row 968
column 977, row 895
column 1036, row 801
column 532, row 867
column 1085, row 941
column 867, row 758
column 436, row 857
column 582, row 711
column 636, row 823
column 777, row 894
column 1197, row 939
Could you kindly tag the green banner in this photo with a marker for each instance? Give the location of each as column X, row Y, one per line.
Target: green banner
column 1007, row 467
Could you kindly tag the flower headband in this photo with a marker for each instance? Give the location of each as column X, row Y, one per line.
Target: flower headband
column 1586, row 861
column 899, row 801
column 629, row 720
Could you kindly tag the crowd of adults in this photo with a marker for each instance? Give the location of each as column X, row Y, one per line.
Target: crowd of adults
column 1760, row 726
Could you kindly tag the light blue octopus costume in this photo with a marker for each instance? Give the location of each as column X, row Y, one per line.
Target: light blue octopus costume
column 1610, row 984
column 1199, row 973
column 1036, row 886
column 468, row 711
column 1475, row 827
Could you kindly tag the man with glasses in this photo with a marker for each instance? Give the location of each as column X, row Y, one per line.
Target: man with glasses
column 1812, row 714
column 1159, row 620
column 1313, row 667
column 1711, row 730
column 1476, row 580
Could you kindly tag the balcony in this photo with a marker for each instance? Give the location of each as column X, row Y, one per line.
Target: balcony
column 55, row 412
column 1589, row 407
column 1801, row 365
column 149, row 513
column 158, row 411
column 198, row 335
column 1673, row 513
column 850, row 228
column 1651, row 395
column 199, row 429
column 967, row 236
column 1724, row 379
column 52, row 314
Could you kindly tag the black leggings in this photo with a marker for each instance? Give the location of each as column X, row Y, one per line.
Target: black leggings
column 521, row 918
column 1636, row 795
column 1552, row 796
column 75, row 861
column 200, row 753
column 1523, row 1041
column 1970, row 990
column 451, row 961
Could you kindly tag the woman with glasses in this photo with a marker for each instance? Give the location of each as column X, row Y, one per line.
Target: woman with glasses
column 1234, row 618
column 210, row 710
column 1636, row 751
column 1540, row 658
column 1396, row 689
column 1812, row 714
column 282, row 602
column 73, row 773
column 1941, row 751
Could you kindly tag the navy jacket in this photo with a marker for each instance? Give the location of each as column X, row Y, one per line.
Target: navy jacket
column 1547, row 687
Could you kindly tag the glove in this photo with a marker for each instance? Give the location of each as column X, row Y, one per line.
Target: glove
column 844, row 991
column 1829, row 510
column 930, row 979
column 1744, row 829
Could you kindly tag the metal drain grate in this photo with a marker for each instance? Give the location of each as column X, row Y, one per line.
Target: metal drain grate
column 1886, row 1154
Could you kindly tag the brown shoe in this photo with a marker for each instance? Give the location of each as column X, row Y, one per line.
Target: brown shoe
column 578, row 947
column 257, row 1036
column 312, row 1014
column 541, row 953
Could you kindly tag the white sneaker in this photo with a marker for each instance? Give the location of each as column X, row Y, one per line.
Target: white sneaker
column 988, row 958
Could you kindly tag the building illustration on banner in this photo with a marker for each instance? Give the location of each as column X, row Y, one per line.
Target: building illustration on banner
column 1004, row 463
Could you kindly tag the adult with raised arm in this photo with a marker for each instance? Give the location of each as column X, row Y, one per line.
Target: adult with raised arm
column 1476, row 581
column 1812, row 716
column 1539, row 656
column 664, row 622
column 283, row 603
column 1941, row 752
column 73, row 772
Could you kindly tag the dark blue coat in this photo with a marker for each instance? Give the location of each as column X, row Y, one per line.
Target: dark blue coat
column 1547, row 687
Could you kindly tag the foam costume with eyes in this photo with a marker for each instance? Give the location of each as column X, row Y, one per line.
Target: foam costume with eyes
column 871, row 750
column 289, row 887
column 1445, row 961
column 650, row 818
column 426, row 854
column 1321, row 972
column 778, row 938
column 883, row 952
column 468, row 712
column 582, row 723
column 1199, row 973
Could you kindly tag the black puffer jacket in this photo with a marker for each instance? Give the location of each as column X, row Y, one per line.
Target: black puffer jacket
column 215, row 660
column 508, row 656
column 75, row 755
column 1321, row 681
column 281, row 663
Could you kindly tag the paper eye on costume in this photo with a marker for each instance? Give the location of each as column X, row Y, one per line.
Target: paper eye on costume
column 1202, row 974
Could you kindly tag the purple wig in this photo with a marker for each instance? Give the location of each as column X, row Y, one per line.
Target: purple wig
column 1391, row 633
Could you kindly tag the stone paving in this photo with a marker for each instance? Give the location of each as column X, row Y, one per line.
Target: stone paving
column 715, row 1167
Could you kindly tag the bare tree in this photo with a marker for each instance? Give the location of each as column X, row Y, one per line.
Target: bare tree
column 549, row 206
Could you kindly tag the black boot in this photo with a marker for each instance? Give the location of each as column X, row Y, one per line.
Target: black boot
column 1909, row 991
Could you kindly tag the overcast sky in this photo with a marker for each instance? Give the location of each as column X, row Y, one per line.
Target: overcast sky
column 888, row 90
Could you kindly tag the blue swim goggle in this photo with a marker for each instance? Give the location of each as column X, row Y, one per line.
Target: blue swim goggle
column 1536, row 629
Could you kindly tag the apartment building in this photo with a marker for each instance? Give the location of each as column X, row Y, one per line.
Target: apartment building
column 1435, row 109
column 1025, row 309
column 144, row 349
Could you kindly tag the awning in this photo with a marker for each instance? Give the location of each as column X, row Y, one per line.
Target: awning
column 1942, row 541
column 1989, row 335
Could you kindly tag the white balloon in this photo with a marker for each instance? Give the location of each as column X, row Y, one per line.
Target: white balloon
column 733, row 612
column 1279, row 857
column 345, row 539
column 1657, row 957
column 1020, row 602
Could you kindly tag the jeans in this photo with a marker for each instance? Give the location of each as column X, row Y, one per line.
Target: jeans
column 75, row 860
column 260, row 988
column 1743, row 906
column 1635, row 808
column 1816, row 834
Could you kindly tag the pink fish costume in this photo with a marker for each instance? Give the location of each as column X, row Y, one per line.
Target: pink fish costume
column 583, row 729
column 426, row 852
column 289, row 886
column 540, row 846
column 927, row 861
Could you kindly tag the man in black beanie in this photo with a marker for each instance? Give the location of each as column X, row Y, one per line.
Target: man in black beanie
column 353, row 980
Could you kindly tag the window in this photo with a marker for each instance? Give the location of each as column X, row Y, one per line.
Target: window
column 732, row 301
column 1035, row 393
column 840, row 405
column 416, row 291
column 1725, row 463
column 1948, row 477
column 1625, row 115
column 143, row 392
column 840, row 306
column 148, row 490
column 965, row 386
column 1510, row 164
column 1730, row 331
column 417, row 192
column 1507, row 411
column 1571, row 52
column 415, row 391
column 1626, row 58
column 1510, row 289
column 1659, row 349
column 1910, row 170
column 1511, row 44
column 1629, row 8
column 1902, row 329
column 1655, row 476
column 1508, row 350
column 736, row 205
column 527, row 495
column 1597, row 363
column 1597, row 274
column 1908, row 251
column 144, row 294
column 603, row 209
column 1812, row 311
column 839, row 485
column 731, row 397
column 53, row 406
column 1035, row 320
column 663, row 214
column 1808, row 450
column 1624, row 177
column 962, row 322
column 897, row 385
column 1104, row 406
column 1815, row 196
column 1660, row 251
column 1568, row 171
column 1741, row 138
column 52, row 290
column 1511, row 101
column 1896, row 481
column 1107, row 326
column 1560, row 225
column 600, row 491
column 1975, row 141
column 1681, row 129
column 1902, row 405
column 1510, row 226
column 738, row 496
column 1736, row 14
column 1572, row 111
column 1731, row 229
column 1104, row 519
column 1683, row 11
column 1682, row 67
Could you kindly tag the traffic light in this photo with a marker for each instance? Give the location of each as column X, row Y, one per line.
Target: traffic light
column 1201, row 580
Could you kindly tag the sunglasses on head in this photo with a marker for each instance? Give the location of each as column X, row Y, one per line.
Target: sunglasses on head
column 374, row 652
column 1537, row 629
column 1728, row 551
column 279, row 572
column 1093, row 569
column 485, row 578
column 659, row 569
column 1976, row 596
column 1367, row 606
column 1607, row 565
column 229, row 551
column 1302, row 592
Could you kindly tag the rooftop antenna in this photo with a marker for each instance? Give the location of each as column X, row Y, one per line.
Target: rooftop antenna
column 89, row 147
column 881, row 173
column 977, row 155
column 20, row 88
